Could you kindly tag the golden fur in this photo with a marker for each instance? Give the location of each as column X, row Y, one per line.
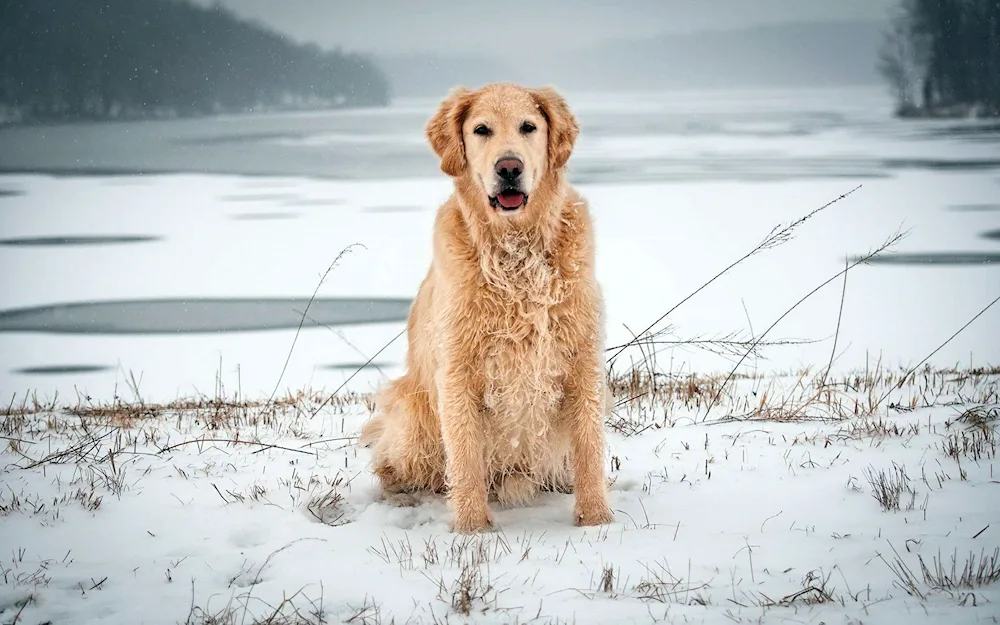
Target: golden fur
column 504, row 393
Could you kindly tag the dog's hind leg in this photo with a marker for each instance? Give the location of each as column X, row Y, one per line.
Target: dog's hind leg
column 407, row 453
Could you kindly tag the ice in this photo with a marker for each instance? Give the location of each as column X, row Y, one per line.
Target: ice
column 656, row 243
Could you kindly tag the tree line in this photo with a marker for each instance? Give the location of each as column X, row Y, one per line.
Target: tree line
column 153, row 58
column 942, row 57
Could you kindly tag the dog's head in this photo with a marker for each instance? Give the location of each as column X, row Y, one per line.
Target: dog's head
column 505, row 139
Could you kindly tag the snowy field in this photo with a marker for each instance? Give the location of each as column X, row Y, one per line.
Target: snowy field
column 181, row 458
column 808, row 506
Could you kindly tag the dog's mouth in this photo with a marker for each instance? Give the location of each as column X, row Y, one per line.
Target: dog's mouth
column 508, row 200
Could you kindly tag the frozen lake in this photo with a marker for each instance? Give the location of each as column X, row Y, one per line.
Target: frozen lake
column 182, row 253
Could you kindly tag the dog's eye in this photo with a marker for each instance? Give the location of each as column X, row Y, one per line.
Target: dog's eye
column 527, row 128
column 482, row 131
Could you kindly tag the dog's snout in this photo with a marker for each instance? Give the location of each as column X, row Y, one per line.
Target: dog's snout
column 509, row 168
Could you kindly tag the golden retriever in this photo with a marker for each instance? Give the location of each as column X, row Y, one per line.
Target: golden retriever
column 504, row 393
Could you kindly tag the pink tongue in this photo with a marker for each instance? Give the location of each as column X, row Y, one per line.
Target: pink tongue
column 510, row 200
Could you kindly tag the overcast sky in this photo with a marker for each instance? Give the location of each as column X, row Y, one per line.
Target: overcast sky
column 390, row 26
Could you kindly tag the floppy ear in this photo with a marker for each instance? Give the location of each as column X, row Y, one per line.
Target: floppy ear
column 563, row 127
column 444, row 130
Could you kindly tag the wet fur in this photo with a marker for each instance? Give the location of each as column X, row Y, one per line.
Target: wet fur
column 504, row 393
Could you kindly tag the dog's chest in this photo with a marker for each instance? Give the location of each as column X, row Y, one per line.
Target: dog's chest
column 523, row 357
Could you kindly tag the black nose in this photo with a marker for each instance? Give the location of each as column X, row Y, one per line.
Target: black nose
column 509, row 168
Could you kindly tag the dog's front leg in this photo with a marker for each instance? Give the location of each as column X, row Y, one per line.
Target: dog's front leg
column 584, row 415
column 463, row 432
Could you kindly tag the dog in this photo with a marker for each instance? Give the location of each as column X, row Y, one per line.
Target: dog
column 504, row 393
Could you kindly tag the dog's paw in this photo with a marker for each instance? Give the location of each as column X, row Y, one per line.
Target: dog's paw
column 473, row 523
column 596, row 513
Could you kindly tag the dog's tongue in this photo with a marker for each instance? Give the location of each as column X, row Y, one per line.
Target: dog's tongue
column 510, row 200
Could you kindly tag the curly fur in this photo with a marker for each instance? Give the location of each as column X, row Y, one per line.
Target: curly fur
column 504, row 393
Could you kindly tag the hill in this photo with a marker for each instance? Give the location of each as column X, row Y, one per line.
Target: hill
column 160, row 58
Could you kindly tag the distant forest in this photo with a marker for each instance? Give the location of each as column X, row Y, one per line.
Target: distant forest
column 114, row 59
column 942, row 58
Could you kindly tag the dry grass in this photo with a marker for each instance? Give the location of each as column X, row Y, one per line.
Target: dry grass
column 889, row 487
column 652, row 396
column 816, row 590
column 661, row 585
column 458, row 567
column 970, row 574
column 976, row 445
column 295, row 609
column 105, row 436
column 983, row 418
column 778, row 235
column 959, row 577
column 472, row 589
column 652, row 400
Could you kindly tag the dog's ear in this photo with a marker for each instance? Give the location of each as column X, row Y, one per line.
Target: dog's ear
column 444, row 130
column 563, row 127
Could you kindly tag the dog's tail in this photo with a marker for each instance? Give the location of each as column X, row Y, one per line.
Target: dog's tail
column 372, row 431
column 385, row 399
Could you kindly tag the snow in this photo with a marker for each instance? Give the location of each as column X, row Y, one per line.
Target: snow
column 716, row 522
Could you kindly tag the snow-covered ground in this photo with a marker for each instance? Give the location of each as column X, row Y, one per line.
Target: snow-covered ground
column 125, row 500
column 241, row 514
